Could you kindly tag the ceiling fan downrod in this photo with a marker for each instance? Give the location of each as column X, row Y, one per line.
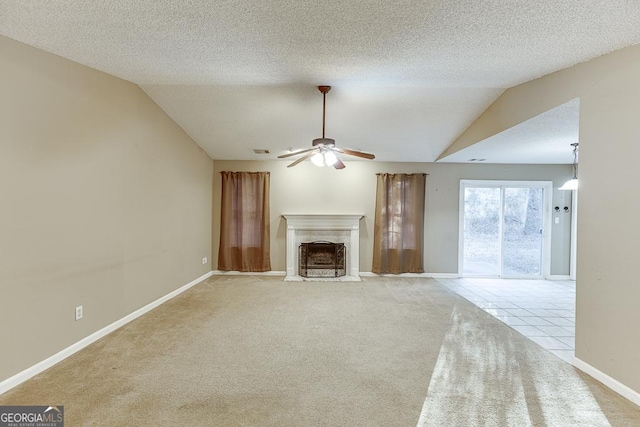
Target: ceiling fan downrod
column 324, row 90
column 324, row 141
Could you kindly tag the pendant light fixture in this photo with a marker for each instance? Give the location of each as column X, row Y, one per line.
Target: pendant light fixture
column 572, row 184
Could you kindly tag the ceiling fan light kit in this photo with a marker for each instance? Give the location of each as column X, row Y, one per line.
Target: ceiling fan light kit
column 326, row 158
column 323, row 151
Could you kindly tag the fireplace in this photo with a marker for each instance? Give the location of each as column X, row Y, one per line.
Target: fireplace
column 335, row 228
column 322, row 259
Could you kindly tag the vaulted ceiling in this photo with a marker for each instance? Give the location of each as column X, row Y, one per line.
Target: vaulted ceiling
column 408, row 76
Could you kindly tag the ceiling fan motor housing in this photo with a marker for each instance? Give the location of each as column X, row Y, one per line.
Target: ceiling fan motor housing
column 324, row 141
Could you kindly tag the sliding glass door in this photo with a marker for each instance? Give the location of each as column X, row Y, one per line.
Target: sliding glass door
column 503, row 228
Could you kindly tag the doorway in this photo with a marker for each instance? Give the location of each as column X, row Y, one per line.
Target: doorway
column 503, row 229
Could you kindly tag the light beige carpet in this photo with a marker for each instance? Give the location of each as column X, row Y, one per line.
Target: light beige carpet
column 257, row 351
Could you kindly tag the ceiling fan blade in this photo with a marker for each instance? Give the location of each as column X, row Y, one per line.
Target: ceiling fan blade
column 295, row 153
column 305, row 157
column 355, row 153
column 338, row 164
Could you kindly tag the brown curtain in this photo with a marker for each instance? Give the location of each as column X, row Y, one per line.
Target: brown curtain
column 398, row 229
column 244, row 223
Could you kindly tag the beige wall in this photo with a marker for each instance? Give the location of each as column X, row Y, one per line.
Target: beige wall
column 106, row 203
column 608, row 317
column 308, row 189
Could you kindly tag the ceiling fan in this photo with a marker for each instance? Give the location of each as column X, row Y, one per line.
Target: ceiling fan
column 324, row 149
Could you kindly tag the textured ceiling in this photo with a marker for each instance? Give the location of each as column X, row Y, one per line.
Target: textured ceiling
column 408, row 76
column 543, row 139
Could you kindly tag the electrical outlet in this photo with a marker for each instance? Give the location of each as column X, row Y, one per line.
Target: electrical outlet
column 79, row 312
column 204, row 260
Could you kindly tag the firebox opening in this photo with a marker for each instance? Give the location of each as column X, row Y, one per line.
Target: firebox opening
column 322, row 259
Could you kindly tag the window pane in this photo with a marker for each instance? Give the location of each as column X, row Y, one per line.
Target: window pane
column 522, row 246
column 481, row 252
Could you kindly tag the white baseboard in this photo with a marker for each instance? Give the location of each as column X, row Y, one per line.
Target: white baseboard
column 605, row 379
column 426, row 275
column 559, row 277
column 34, row 370
column 242, row 273
column 443, row 275
column 362, row 273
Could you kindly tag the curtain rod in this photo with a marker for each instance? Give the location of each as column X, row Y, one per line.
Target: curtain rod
column 245, row 172
column 386, row 173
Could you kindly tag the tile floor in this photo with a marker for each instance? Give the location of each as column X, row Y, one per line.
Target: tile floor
column 541, row 310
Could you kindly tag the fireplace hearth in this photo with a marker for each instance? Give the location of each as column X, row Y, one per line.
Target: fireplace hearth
column 322, row 259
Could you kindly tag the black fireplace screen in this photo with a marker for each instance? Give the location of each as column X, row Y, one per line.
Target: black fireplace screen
column 322, row 259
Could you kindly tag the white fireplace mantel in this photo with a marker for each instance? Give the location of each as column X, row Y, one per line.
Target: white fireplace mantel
column 342, row 228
